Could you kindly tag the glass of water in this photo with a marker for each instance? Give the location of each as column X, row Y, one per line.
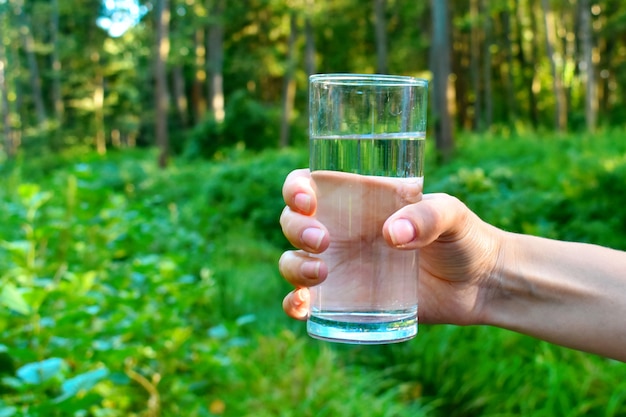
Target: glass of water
column 367, row 135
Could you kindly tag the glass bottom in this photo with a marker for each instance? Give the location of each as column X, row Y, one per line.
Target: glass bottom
column 363, row 327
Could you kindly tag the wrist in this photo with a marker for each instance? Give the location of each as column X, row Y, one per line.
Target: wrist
column 518, row 288
column 562, row 292
column 499, row 285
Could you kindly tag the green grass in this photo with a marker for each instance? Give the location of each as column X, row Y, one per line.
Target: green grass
column 130, row 291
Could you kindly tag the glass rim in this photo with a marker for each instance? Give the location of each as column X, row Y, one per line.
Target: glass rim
column 368, row 79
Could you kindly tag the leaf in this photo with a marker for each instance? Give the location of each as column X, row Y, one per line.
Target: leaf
column 7, row 411
column 18, row 247
column 179, row 336
column 37, row 372
column 245, row 319
column 218, row 332
column 11, row 382
column 27, row 191
column 217, row 407
column 82, row 382
column 32, row 197
column 12, row 298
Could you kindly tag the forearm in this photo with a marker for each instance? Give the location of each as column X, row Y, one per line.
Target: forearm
column 571, row 294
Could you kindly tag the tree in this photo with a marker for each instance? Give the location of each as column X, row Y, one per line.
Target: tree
column 589, row 73
column 475, row 64
column 487, row 65
column 98, row 104
column 57, row 95
column 289, row 84
column 506, row 69
column 33, row 65
column 309, row 35
column 10, row 145
column 198, row 98
column 180, row 97
column 527, row 58
column 160, row 93
column 533, row 61
column 560, row 111
column 380, row 21
column 440, row 65
column 215, row 61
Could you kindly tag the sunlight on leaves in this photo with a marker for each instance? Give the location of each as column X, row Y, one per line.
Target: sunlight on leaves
column 217, row 407
column 7, row 411
column 37, row 372
column 82, row 382
column 11, row 297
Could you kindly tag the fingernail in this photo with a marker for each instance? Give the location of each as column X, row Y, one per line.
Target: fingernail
column 311, row 269
column 299, row 300
column 296, row 301
column 402, row 232
column 303, row 202
column 313, row 237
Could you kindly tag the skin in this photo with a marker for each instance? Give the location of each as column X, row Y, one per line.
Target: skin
column 472, row 273
column 358, row 248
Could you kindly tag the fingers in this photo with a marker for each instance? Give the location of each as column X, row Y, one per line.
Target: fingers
column 298, row 192
column 297, row 304
column 418, row 225
column 304, row 232
column 301, row 269
column 298, row 225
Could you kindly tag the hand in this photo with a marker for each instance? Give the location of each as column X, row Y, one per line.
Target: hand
column 459, row 253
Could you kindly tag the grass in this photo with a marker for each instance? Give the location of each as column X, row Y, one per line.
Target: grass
column 143, row 292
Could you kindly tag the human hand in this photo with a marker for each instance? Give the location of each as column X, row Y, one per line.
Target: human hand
column 458, row 252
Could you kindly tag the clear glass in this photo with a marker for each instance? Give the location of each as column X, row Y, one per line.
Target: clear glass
column 367, row 135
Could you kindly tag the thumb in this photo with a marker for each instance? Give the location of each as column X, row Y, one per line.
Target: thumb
column 418, row 225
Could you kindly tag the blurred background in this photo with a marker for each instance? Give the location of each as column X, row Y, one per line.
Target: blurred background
column 143, row 145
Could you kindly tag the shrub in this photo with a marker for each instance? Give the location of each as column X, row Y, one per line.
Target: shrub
column 249, row 190
column 247, row 122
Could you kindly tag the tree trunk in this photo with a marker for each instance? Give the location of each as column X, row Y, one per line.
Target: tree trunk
column 475, row 64
column 460, row 59
column 289, row 83
column 309, row 36
column 381, row 36
column 606, row 48
column 12, row 112
column 198, row 102
column 35, row 79
column 507, row 70
column 10, row 145
column 589, row 73
column 180, row 99
column 440, row 63
column 487, row 60
column 57, row 97
column 557, row 82
column 98, row 103
column 527, row 64
column 215, row 62
column 160, row 63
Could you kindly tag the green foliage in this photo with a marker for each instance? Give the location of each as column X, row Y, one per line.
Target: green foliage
column 247, row 122
column 565, row 187
column 203, row 140
column 68, row 84
column 133, row 291
column 254, row 198
column 482, row 371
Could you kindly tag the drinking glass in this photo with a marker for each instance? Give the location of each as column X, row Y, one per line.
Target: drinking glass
column 367, row 136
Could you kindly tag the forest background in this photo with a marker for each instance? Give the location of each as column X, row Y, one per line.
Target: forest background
column 143, row 147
